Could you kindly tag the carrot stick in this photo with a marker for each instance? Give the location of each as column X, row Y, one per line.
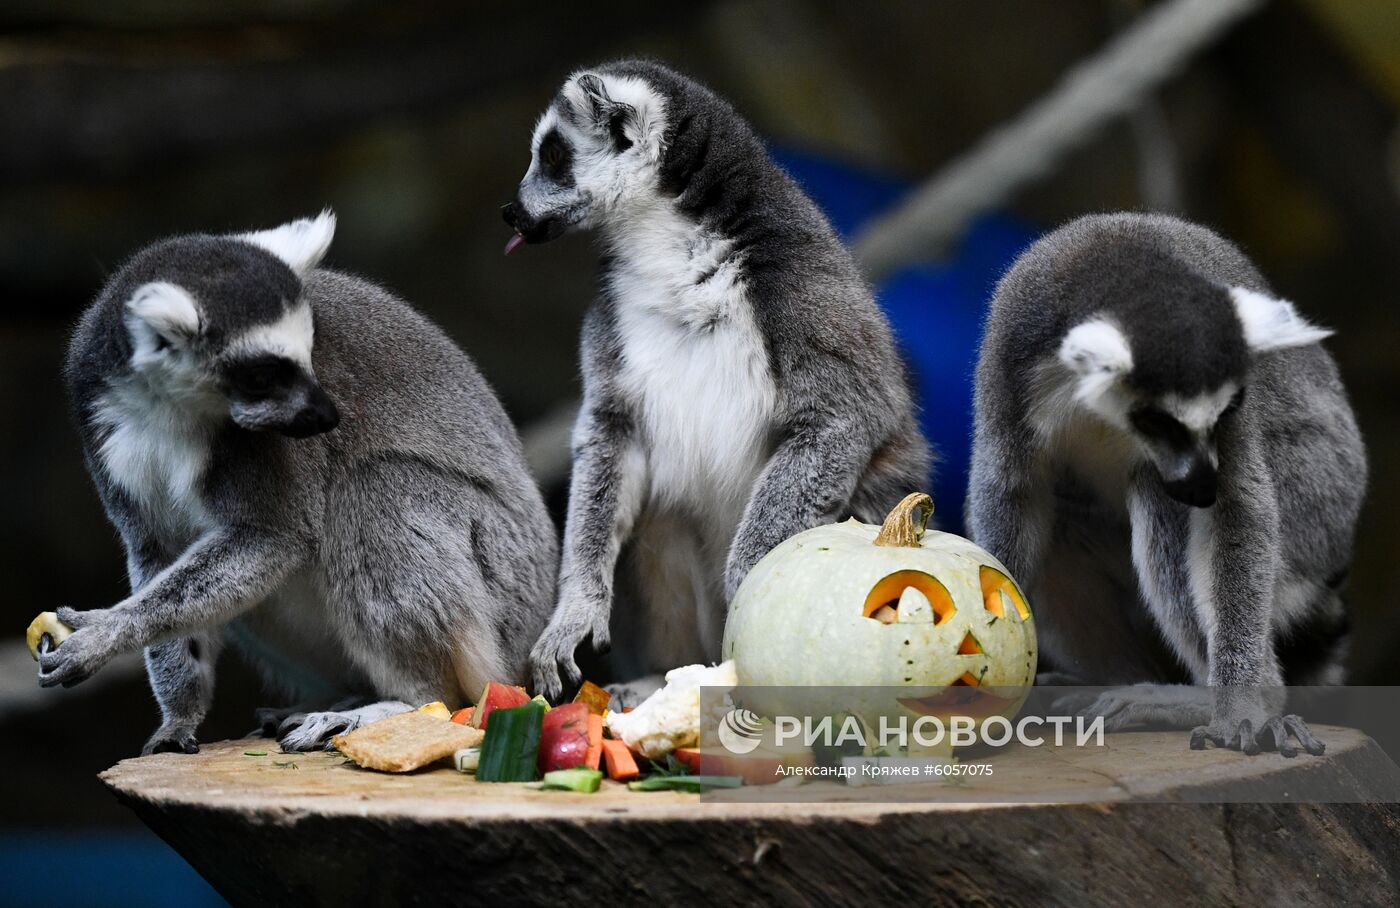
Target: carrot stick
column 619, row 760
column 594, row 755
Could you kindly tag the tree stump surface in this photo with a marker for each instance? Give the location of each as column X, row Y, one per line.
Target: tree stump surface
column 1135, row 821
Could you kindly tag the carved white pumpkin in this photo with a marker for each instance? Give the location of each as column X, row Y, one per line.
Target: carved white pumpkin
column 854, row 604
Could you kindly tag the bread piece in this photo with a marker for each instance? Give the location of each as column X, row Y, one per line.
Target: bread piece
column 405, row 742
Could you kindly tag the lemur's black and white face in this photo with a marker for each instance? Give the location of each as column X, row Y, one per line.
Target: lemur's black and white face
column 594, row 153
column 1173, row 417
column 227, row 331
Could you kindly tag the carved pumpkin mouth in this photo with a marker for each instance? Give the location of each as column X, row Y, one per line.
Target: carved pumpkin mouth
column 889, row 603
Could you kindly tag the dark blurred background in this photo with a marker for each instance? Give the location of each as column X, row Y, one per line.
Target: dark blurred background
column 123, row 122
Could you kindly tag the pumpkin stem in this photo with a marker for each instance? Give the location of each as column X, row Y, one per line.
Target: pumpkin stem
column 906, row 523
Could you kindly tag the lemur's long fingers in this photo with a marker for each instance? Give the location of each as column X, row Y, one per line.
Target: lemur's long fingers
column 1242, row 739
column 1304, row 735
column 286, row 726
column 72, row 617
column 1200, row 735
column 60, row 667
column 571, row 670
column 546, row 672
column 602, row 636
column 1274, row 736
column 544, row 683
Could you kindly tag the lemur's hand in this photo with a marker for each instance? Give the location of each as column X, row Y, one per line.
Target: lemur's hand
column 746, row 551
column 91, row 645
column 1272, row 734
column 575, row 618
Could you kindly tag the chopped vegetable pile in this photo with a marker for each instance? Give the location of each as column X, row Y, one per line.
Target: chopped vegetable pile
column 571, row 747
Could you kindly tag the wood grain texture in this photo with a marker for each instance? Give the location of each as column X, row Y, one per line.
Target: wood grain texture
column 327, row 833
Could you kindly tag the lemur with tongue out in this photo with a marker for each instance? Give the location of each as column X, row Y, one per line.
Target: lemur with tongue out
column 739, row 382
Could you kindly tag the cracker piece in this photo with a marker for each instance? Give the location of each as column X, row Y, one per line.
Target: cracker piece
column 405, row 742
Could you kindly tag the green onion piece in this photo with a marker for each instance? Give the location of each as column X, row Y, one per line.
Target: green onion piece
column 684, row 783
column 254, row 753
column 467, row 758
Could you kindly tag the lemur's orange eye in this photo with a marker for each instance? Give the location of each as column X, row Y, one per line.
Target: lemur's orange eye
column 550, row 155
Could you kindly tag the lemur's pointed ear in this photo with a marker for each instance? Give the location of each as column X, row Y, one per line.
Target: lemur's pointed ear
column 590, row 99
column 301, row 244
column 1271, row 323
column 1098, row 353
column 161, row 315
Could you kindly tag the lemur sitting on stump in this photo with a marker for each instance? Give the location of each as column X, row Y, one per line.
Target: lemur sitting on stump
column 740, row 383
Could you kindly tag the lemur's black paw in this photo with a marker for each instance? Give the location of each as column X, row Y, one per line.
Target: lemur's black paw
column 1272, row 735
column 171, row 741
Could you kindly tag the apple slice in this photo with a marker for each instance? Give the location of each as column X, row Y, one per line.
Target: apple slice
column 564, row 737
column 497, row 696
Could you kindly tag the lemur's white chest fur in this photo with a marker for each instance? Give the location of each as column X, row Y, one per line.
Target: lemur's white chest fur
column 157, row 450
column 695, row 366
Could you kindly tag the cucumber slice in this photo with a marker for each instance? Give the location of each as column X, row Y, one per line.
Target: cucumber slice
column 511, row 745
column 580, row 779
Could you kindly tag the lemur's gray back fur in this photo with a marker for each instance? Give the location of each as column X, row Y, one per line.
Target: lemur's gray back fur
column 404, row 556
column 831, row 350
column 710, row 251
column 1102, row 320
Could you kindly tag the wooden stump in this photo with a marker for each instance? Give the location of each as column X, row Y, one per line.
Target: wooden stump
column 310, row 829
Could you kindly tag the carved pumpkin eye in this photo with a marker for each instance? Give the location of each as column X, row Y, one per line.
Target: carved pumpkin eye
column 997, row 590
column 890, row 600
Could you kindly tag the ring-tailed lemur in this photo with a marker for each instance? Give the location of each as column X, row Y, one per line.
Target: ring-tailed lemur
column 1165, row 457
column 740, row 383
column 405, row 556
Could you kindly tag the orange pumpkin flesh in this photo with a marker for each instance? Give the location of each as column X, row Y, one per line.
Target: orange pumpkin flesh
column 994, row 585
column 969, row 646
column 886, row 593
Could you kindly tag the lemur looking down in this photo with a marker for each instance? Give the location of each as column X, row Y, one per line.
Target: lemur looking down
column 1166, row 459
column 303, row 466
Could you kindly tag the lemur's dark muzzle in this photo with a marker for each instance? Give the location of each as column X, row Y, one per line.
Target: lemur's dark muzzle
column 319, row 415
column 1197, row 489
column 530, row 229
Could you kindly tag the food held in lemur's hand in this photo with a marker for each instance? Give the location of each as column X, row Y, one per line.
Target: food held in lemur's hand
column 46, row 632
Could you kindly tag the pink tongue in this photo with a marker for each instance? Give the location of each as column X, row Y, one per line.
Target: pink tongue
column 513, row 242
